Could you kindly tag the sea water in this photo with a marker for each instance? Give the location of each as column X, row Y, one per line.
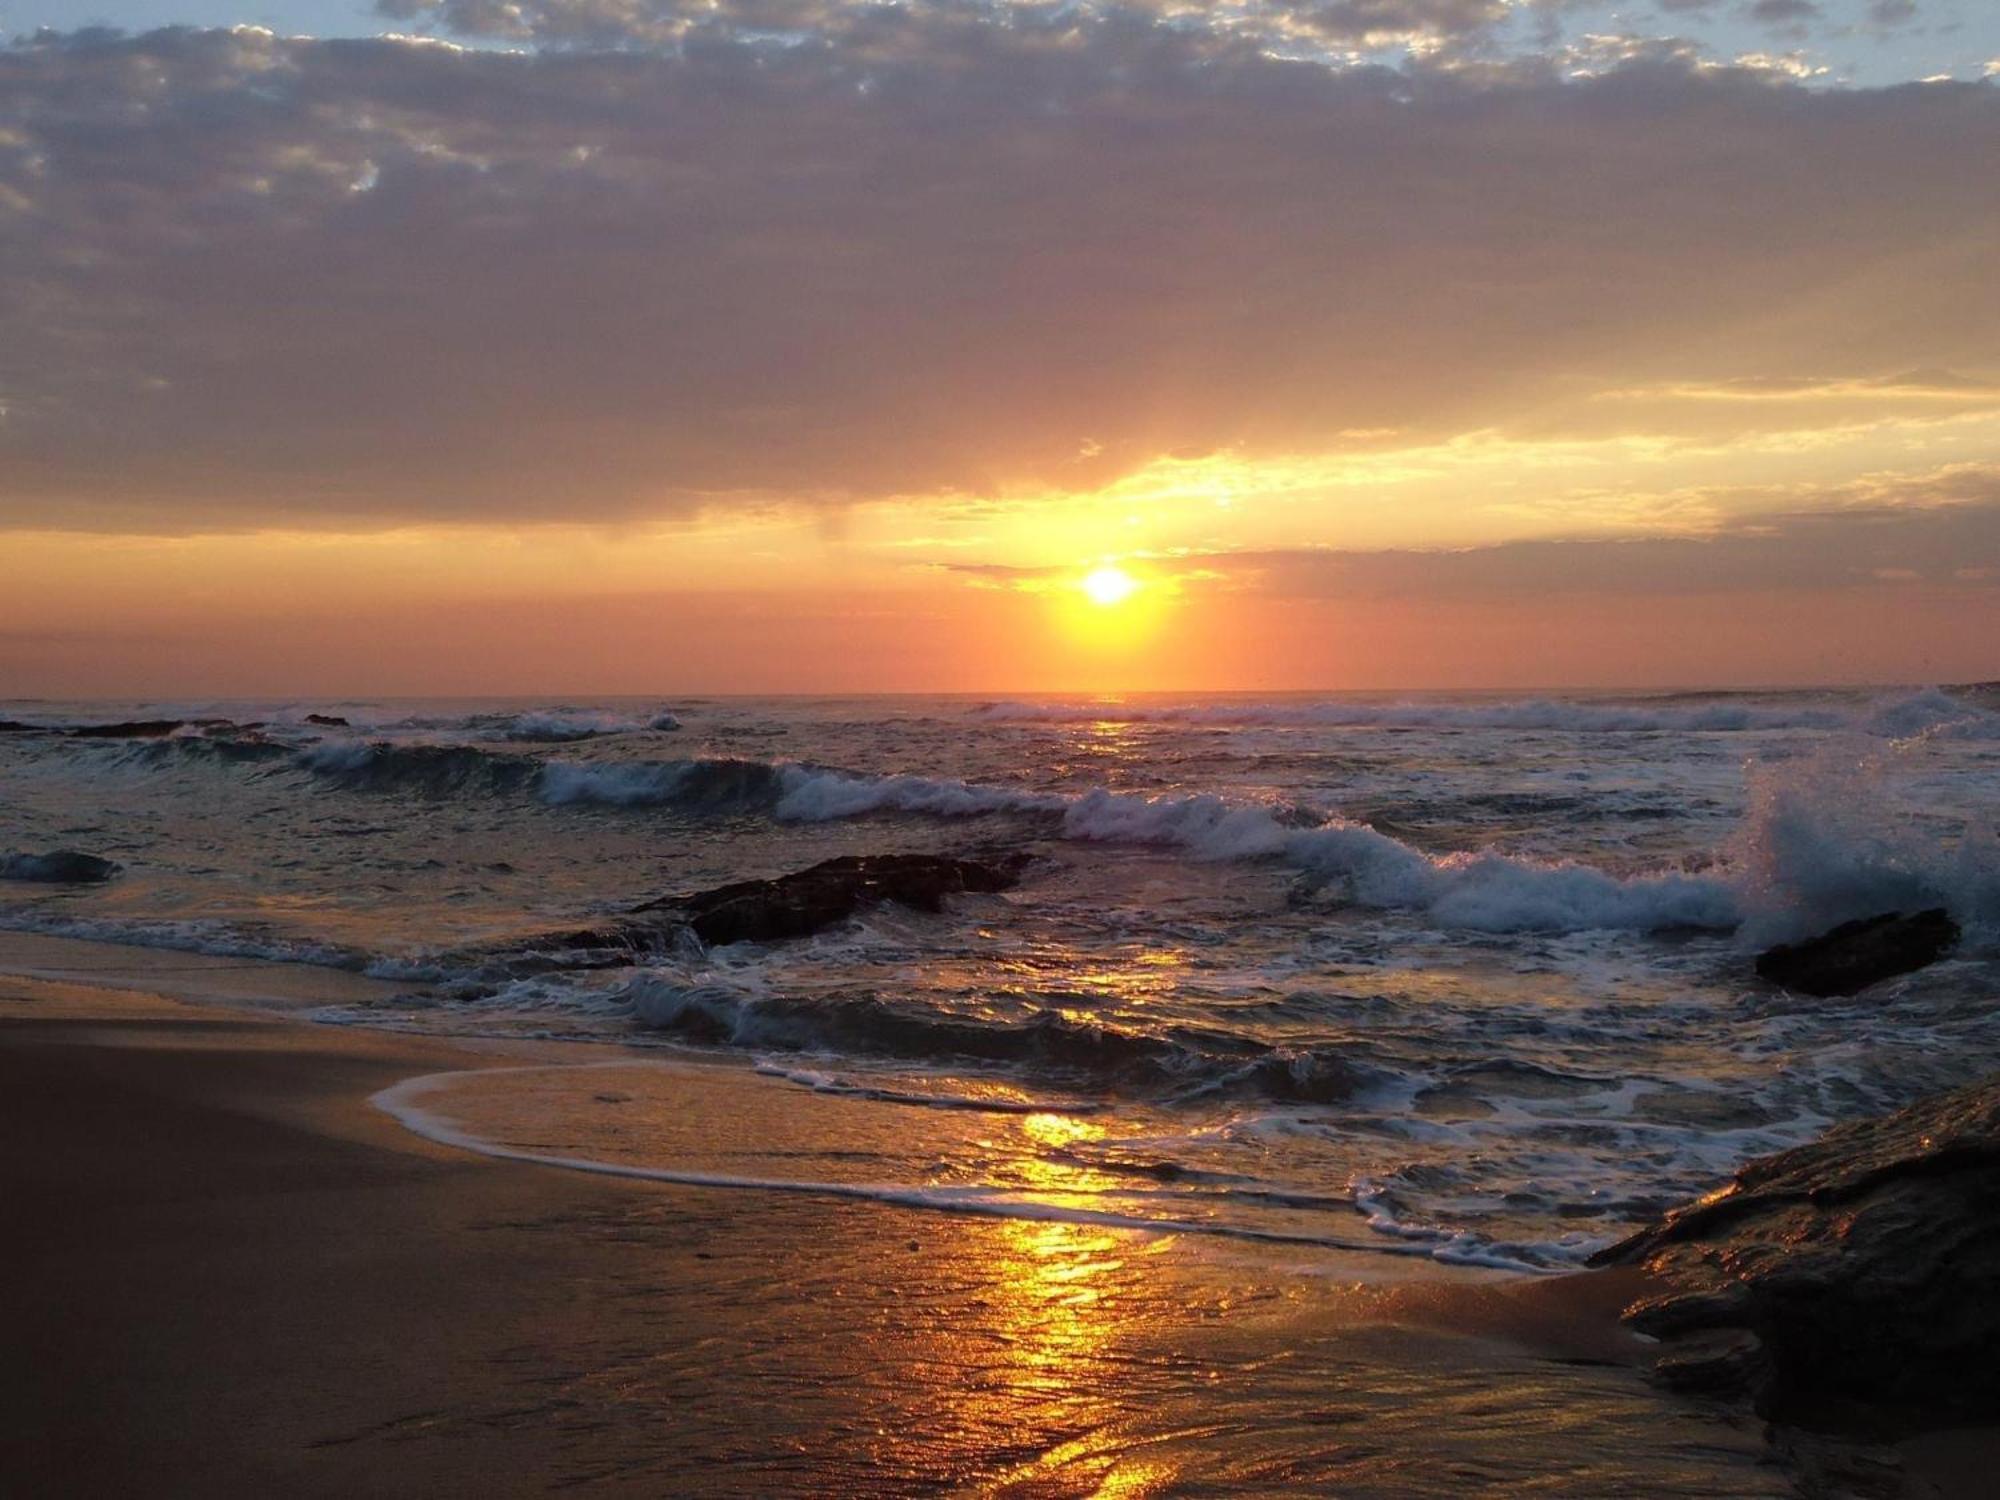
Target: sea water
column 1466, row 978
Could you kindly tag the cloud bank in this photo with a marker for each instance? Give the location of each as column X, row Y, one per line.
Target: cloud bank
column 806, row 256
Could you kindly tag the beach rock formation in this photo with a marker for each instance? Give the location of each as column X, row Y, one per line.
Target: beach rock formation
column 1857, row 954
column 804, row 902
column 762, row 911
column 58, row 867
column 1852, row 1282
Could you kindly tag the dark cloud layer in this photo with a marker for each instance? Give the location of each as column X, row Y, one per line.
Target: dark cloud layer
column 256, row 279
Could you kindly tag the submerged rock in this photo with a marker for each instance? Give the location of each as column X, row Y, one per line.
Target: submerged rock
column 1857, row 954
column 804, row 902
column 128, row 729
column 333, row 720
column 58, row 867
column 1852, row 1281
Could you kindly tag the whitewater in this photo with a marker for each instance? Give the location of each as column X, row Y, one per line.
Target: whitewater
column 1460, row 976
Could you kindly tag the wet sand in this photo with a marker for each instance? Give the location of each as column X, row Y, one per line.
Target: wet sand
column 223, row 1273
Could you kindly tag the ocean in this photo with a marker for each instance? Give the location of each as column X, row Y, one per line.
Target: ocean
column 1449, row 978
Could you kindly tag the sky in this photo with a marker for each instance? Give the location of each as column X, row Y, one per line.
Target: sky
column 579, row 347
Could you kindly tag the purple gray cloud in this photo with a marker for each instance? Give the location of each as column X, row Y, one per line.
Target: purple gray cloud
column 253, row 280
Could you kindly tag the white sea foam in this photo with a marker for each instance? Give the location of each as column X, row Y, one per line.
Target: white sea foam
column 401, row 1102
column 1462, row 1247
column 193, row 936
column 1808, row 853
column 1815, row 848
column 1828, row 839
column 337, row 756
column 1012, row 1103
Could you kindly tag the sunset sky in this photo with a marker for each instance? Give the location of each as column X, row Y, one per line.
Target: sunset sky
column 591, row 346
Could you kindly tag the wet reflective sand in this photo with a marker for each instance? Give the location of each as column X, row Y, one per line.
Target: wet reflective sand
column 228, row 1276
column 865, row 1347
column 873, row 1351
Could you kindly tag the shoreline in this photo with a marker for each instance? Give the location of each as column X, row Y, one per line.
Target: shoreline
column 229, row 1274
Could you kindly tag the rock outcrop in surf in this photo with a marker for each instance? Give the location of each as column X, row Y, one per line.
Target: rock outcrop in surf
column 786, row 906
column 1854, row 1281
column 804, row 902
column 135, row 729
column 1854, row 955
column 58, row 867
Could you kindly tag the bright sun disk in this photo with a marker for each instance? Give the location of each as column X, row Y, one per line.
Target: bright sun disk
column 1109, row 585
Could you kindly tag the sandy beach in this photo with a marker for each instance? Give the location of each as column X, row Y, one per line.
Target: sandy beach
column 226, row 1274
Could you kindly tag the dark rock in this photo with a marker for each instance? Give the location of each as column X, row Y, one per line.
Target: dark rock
column 762, row 911
column 14, row 726
column 58, row 867
column 1857, row 954
column 333, row 720
column 802, row 903
column 129, row 729
column 1867, row 1265
column 1721, row 1363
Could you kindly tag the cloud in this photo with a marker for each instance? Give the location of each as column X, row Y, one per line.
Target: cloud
column 258, row 280
column 1951, row 539
column 1786, row 13
column 1930, row 385
column 1941, row 529
column 655, row 23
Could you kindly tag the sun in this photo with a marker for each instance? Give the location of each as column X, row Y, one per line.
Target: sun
column 1109, row 585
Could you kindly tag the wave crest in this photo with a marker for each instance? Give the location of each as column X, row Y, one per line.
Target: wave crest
column 1185, row 1062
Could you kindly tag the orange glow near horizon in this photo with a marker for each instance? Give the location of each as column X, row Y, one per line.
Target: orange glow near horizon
column 1187, row 574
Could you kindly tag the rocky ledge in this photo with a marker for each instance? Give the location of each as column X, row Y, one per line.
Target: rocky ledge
column 1852, row 1284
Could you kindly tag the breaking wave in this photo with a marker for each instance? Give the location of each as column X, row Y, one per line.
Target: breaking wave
column 711, row 785
column 1182, row 1062
column 1809, row 852
column 1488, row 893
column 431, row 770
column 1806, row 854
